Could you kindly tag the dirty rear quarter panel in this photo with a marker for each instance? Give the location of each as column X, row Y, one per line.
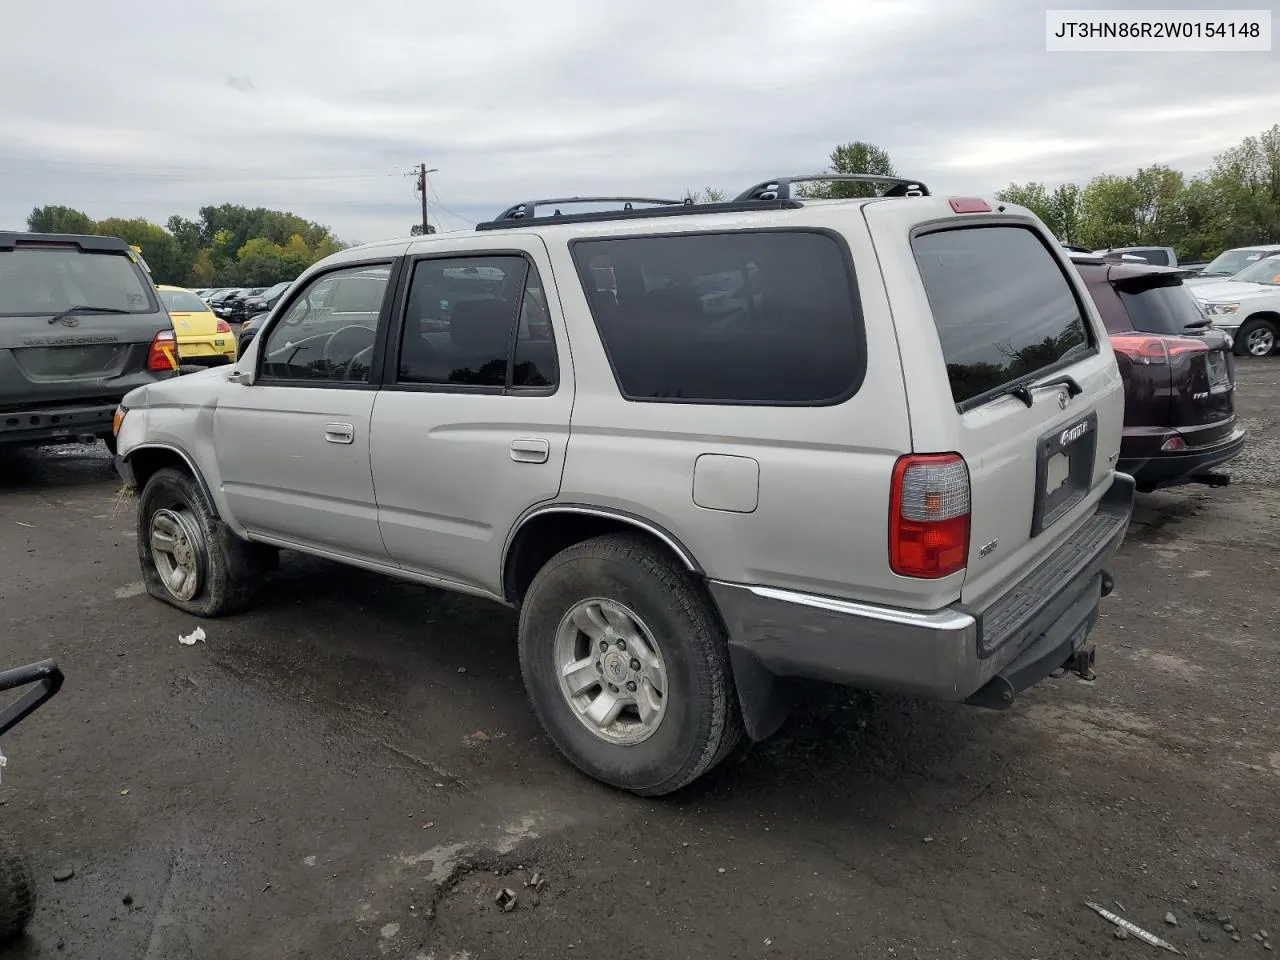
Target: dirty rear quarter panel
column 820, row 522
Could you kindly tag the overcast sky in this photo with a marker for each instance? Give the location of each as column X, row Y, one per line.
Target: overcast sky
column 153, row 107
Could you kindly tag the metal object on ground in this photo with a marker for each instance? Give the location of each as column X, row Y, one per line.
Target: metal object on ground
column 1132, row 928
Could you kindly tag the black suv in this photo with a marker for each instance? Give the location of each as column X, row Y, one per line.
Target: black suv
column 80, row 326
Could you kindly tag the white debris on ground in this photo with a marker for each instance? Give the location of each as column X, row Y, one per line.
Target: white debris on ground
column 192, row 638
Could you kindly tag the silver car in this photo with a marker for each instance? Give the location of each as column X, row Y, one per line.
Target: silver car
column 704, row 449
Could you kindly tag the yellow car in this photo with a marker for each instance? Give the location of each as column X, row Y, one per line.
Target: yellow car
column 203, row 339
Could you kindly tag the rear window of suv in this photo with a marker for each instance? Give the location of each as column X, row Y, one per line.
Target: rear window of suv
column 751, row 317
column 1003, row 308
column 50, row 279
column 1165, row 309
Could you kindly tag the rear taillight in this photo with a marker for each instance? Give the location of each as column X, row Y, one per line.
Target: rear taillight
column 1150, row 350
column 163, row 354
column 223, row 327
column 929, row 516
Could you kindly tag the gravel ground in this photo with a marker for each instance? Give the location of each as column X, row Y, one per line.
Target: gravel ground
column 351, row 770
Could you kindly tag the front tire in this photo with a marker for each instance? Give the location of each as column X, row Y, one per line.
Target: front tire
column 627, row 665
column 189, row 557
column 1257, row 337
column 17, row 890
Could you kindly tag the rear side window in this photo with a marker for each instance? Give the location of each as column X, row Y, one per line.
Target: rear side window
column 46, row 280
column 767, row 317
column 1003, row 308
column 1161, row 310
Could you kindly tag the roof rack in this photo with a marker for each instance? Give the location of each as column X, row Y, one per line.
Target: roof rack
column 528, row 209
column 780, row 187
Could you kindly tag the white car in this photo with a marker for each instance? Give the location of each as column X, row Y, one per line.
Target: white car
column 1247, row 306
column 1226, row 265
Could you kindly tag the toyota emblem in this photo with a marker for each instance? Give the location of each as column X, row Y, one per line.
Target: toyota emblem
column 69, row 321
column 1063, row 400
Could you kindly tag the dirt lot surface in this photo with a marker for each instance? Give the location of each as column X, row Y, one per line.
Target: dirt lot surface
column 351, row 770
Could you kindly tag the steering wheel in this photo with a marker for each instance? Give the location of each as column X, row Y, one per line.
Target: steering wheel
column 343, row 346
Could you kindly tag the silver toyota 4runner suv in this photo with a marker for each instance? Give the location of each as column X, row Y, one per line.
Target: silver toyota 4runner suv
column 703, row 448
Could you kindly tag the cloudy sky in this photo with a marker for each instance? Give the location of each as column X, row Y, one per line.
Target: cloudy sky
column 152, row 107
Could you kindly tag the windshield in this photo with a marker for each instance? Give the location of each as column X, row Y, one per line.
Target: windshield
column 182, row 301
column 49, row 280
column 1232, row 262
column 275, row 291
column 1262, row 271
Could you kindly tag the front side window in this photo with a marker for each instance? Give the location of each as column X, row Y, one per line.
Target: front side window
column 1003, row 308
column 38, row 280
column 327, row 333
column 477, row 322
column 766, row 317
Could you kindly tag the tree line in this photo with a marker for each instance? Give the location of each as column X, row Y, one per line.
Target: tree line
column 228, row 245
column 1235, row 203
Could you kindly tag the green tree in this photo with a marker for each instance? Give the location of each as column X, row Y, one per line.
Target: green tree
column 856, row 157
column 158, row 246
column 201, row 274
column 1247, row 180
column 1034, row 196
column 1064, row 212
column 56, row 219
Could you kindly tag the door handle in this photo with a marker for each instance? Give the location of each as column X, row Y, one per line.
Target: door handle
column 339, row 432
column 533, row 450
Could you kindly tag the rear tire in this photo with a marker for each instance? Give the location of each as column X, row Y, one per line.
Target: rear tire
column 17, row 890
column 189, row 557
column 1257, row 337
column 662, row 641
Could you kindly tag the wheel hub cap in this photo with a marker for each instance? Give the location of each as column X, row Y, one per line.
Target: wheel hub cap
column 611, row 671
column 178, row 552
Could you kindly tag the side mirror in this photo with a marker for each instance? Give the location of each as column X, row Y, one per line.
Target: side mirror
column 242, row 377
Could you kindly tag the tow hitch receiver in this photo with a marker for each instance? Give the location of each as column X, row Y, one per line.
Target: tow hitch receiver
column 1081, row 664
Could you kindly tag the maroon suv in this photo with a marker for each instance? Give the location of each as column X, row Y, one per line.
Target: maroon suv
column 1179, row 374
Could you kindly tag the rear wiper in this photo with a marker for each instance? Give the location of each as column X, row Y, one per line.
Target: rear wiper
column 80, row 308
column 1023, row 391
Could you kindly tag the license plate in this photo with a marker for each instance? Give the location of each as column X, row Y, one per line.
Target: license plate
column 1064, row 470
column 219, row 343
column 1057, row 470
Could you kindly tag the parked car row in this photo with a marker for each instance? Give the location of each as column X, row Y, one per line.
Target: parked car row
column 738, row 476
column 237, row 304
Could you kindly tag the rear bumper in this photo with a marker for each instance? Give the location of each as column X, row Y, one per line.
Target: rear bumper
column 955, row 654
column 55, row 424
column 1183, row 466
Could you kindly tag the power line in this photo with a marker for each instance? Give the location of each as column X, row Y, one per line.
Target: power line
column 456, row 216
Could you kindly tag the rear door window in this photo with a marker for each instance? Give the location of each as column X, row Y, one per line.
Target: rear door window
column 45, row 280
column 1003, row 308
column 752, row 317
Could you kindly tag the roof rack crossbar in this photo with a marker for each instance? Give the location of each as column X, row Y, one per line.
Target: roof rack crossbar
column 528, row 209
column 780, row 187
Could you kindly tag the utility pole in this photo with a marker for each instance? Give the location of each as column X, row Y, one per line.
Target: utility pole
column 422, row 190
